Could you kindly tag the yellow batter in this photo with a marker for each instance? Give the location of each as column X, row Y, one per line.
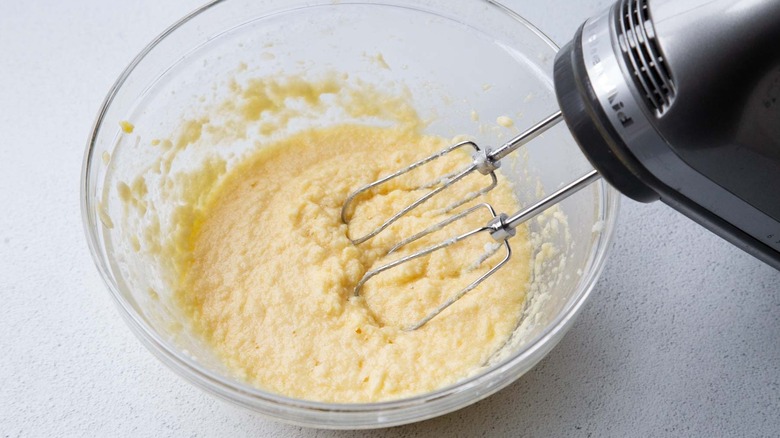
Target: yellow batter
column 272, row 272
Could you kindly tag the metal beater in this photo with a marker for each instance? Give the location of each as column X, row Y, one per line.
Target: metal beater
column 485, row 161
column 677, row 100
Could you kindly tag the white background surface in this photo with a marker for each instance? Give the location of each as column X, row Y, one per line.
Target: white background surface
column 681, row 335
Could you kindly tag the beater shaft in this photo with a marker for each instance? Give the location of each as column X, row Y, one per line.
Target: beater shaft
column 526, row 136
column 503, row 225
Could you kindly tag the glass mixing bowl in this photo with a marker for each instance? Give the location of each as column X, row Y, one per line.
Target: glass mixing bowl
column 458, row 61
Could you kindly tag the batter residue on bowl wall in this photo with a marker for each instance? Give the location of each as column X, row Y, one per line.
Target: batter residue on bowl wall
column 266, row 272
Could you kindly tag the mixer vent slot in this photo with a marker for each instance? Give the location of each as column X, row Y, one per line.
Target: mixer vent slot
column 637, row 39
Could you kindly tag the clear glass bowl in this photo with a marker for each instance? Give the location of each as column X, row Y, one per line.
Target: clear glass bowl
column 454, row 58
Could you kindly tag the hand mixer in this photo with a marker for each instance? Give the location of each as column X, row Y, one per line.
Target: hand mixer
column 677, row 100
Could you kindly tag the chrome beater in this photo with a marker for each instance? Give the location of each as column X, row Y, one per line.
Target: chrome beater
column 486, row 161
column 501, row 227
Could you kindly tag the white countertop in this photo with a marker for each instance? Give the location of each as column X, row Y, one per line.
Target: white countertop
column 680, row 337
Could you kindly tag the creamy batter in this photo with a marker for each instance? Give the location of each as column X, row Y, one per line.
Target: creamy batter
column 250, row 244
column 271, row 272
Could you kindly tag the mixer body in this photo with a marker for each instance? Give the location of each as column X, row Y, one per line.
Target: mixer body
column 679, row 100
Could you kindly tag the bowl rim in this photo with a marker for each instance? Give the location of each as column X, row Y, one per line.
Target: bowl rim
column 316, row 413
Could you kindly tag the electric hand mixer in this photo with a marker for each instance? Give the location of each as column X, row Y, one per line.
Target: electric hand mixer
column 677, row 100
